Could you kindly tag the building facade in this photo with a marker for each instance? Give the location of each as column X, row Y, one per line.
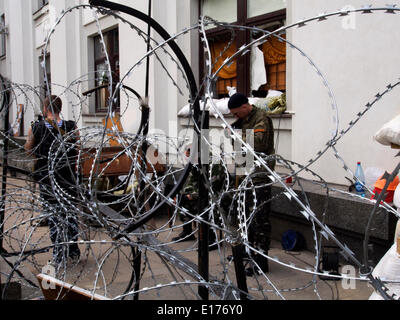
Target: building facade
column 340, row 61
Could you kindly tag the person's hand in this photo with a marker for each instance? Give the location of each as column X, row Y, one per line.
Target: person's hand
column 189, row 197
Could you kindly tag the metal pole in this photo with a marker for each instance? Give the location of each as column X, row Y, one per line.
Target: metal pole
column 137, row 261
column 204, row 229
column 5, row 104
column 240, row 271
column 148, row 58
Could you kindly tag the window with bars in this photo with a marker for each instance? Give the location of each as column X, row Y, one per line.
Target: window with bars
column 111, row 44
column 221, row 48
column 265, row 15
column 276, row 75
column 274, row 50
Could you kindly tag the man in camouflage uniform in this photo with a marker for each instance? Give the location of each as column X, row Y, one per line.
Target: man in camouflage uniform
column 257, row 120
column 189, row 196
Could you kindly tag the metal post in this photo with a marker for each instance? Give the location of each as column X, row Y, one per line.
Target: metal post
column 237, row 252
column 5, row 104
column 137, row 261
column 203, row 243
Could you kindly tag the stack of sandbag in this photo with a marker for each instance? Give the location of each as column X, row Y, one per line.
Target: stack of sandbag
column 388, row 267
column 389, row 134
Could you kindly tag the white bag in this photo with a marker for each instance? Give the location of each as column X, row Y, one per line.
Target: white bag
column 185, row 110
column 389, row 133
column 221, row 105
column 274, row 93
column 396, row 196
column 231, row 90
column 388, row 268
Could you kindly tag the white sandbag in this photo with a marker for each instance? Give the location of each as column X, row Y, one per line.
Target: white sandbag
column 253, row 101
column 387, row 269
column 397, row 232
column 185, row 110
column 231, row 90
column 396, row 196
column 389, row 133
column 222, row 105
column 273, row 93
column 396, row 202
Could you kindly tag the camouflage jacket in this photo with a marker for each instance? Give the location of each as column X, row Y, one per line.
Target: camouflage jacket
column 191, row 186
column 259, row 121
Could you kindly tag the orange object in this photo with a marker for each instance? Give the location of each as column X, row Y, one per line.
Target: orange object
column 380, row 184
column 398, row 245
column 115, row 121
column 389, row 195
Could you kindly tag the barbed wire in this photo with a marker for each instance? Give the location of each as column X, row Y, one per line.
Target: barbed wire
column 100, row 206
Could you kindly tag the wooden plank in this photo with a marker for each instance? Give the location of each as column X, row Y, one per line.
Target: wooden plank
column 121, row 165
column 54, row 289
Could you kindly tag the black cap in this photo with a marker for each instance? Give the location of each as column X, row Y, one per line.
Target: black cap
column 237, row 100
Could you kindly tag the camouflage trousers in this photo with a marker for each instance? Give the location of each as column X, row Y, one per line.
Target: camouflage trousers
column 259, row 228
column 190, row 205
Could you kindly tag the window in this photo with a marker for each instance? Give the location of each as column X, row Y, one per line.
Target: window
column 260, row 7
column 111, row 39
column 221, row 48
column 267, row 15
column 3, row 32
column 276, row 75
column 42, row 3
column 274, row 50
column 224, row 11
column 39, row 4
column 44, row 73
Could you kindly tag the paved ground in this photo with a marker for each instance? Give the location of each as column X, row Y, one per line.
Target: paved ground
column 106, row 265
column 160, row 276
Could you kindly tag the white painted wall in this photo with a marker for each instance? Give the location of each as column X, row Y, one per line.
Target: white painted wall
column 164, row 100
column 356, row 56
column 359, row 56
column 174, row 16
column 18, row 64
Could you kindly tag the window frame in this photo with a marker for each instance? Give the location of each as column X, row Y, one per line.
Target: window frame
column 39, row 5
column 3, row 36
column 113, row 55
column 43, row 87
column 243, row 37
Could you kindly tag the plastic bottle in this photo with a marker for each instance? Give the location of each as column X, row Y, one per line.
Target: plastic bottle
column 360, row 190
